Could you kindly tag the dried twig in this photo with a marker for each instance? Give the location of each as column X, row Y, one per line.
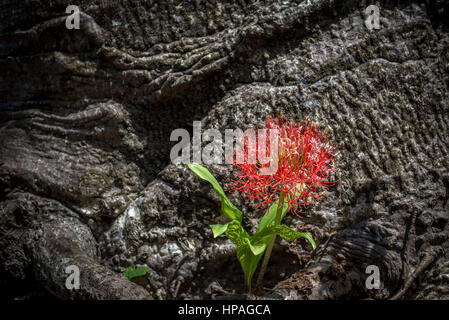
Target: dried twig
column 425, row 262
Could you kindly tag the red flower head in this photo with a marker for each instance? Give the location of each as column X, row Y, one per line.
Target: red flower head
column 301, row 159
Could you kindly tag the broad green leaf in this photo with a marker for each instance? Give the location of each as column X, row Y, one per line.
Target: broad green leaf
column 248, row 254
column 226, row 206
column 251, row 265
column 134, row 273
column 249, row 261
column 285, row 232
column 268, row 219
column 257, row 248
column 237, row 234
column 219, row 229
column 242, row 255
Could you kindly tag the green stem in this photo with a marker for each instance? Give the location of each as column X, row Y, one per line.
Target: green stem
column 247, row 284
column 266, row 258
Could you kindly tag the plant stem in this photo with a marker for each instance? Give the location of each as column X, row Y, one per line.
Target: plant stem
column 247, row 284
column 266, row 258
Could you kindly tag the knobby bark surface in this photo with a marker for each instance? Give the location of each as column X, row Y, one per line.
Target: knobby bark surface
column 85, row 122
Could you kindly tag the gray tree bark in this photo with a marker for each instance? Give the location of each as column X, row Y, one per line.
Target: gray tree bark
column 86, row 117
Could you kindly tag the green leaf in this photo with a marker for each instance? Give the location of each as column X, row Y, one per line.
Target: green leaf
column 258, row 248
column 248, row 253
column 309, row 238
column 219, row 229
column 268, row 219
column 242, row 256
column 249, row 261
column 226, row 206
column 237, row 234
column 285, row 232
column 134, row 273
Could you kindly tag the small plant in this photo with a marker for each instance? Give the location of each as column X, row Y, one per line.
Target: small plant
column 134, row 273
column 304, row 158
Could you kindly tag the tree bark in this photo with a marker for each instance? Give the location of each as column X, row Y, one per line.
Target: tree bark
column 85, row 122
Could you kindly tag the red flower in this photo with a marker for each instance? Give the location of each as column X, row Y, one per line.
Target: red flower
column 304, row 161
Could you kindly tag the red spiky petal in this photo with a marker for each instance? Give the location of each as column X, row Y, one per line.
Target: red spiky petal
column 305, row 158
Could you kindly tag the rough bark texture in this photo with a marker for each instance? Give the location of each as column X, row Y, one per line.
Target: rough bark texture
column 86, row 117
